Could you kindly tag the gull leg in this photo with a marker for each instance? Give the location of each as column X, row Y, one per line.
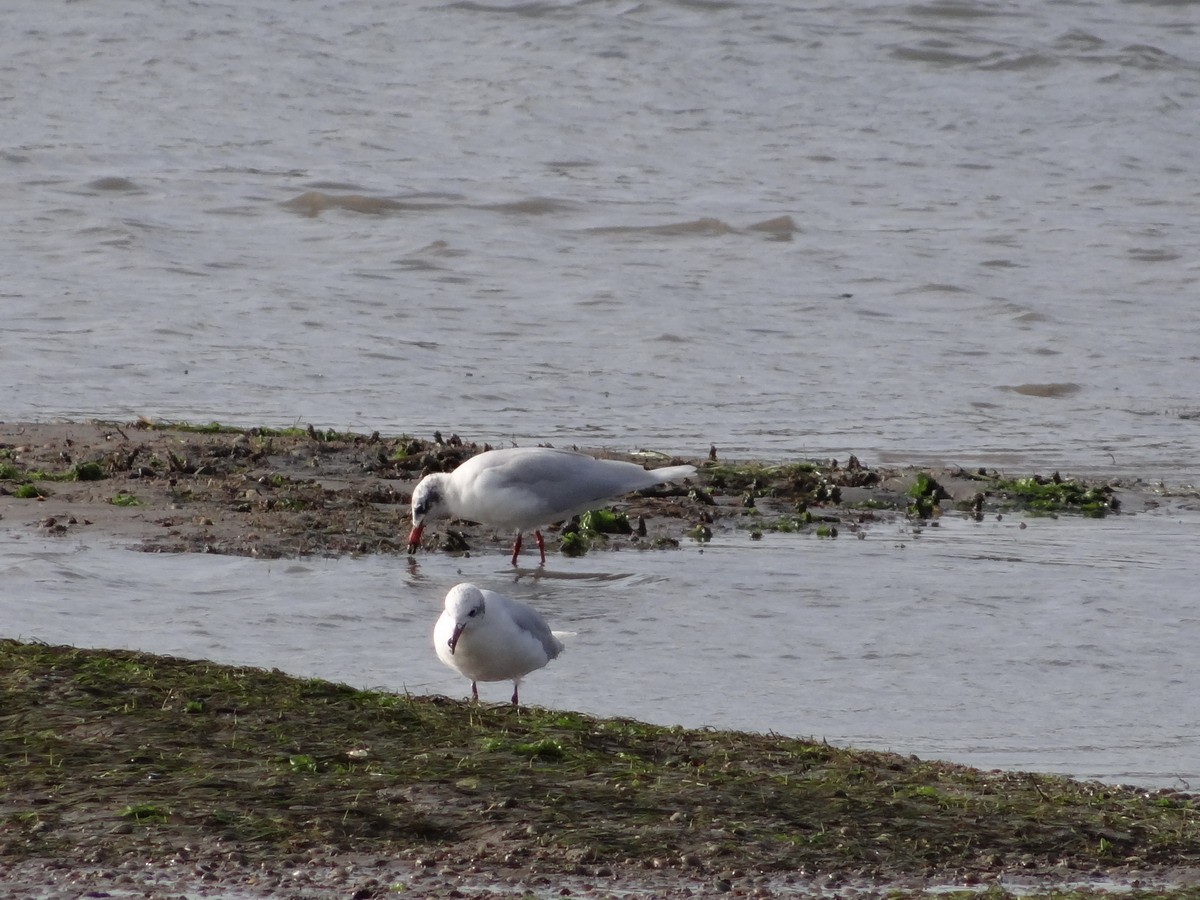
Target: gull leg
column 541, row 545
column 514, row 693
column 516, row 548
column 475, row 691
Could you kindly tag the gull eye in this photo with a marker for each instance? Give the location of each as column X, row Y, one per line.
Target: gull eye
column 472, row 613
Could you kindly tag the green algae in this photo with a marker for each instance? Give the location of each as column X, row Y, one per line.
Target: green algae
column 88, row 471
column 296, row 491
column 580, row 535
column 327, row 435
column 1055, row 494
column 269, row 764
column 927, row 494
column 574, row 543
column 605, row 521
column 762, row 478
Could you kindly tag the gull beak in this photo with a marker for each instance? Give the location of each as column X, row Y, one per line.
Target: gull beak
column 458, row 630
column 414, row 537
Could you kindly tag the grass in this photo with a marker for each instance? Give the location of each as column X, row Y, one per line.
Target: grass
column 146, row 813
column 273, row 764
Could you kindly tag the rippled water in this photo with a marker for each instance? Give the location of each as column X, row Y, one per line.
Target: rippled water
column 1066, row 646
column 942, row 231
column 992, row 214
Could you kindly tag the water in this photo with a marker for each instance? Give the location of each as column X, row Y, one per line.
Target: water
column 985, row 196
column 1063, row 647
column 981, row 253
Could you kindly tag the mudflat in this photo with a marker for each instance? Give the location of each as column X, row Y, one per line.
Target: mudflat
column 302, row 491
column 128, row 774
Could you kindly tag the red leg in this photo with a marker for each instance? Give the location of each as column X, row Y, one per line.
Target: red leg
column 516, row 548
column 514, row 693
column 541, row 545
column 475, row 691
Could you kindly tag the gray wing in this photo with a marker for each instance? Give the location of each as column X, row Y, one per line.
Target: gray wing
column 564, row 482
column 530, row 620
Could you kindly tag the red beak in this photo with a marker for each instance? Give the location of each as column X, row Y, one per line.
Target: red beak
column 414, row 537
column 453, row 642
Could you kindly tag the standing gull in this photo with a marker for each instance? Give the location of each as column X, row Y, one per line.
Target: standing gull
column 489, row 637
column 525, row 488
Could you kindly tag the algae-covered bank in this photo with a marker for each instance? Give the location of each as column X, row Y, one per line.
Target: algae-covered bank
column 115, row 764
column 307, row 491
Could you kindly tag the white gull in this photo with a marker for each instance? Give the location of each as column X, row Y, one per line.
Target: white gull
column 489, row 637
column 525, row 488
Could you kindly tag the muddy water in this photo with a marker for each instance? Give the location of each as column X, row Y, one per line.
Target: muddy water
column 1065, row 646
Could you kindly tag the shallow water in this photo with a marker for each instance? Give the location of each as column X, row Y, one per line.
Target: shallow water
column 1065, row 646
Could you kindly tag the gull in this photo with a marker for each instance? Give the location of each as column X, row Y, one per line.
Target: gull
column 489, row 637
column 524, row 488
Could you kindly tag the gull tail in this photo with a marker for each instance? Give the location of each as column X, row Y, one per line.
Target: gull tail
column 559, row 646
column 673, row 473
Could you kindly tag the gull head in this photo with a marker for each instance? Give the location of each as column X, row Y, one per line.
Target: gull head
column 464, row 604
column 426, row 502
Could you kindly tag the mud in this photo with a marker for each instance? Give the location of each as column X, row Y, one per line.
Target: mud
column 305, row 491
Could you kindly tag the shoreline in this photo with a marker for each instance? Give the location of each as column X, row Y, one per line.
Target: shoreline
column 171, row 487
column 134, row 773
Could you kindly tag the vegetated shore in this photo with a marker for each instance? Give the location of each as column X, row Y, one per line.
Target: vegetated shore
column 303, row 491
column 131, row 774
column 124, row 771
